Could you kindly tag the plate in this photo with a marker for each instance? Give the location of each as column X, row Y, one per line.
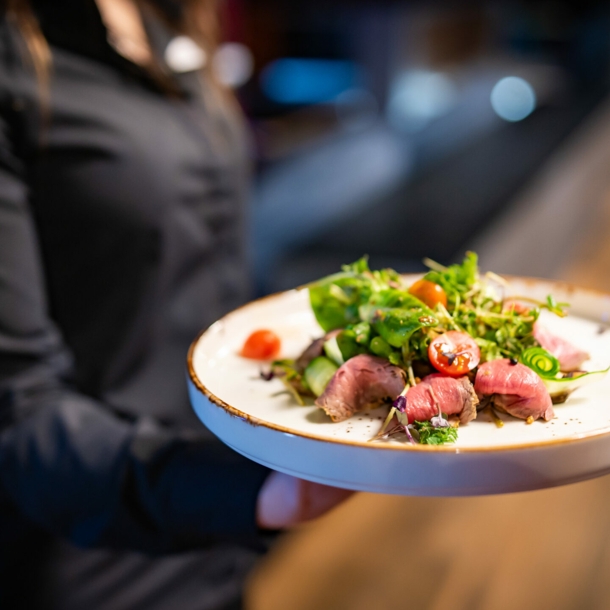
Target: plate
column 260, row 420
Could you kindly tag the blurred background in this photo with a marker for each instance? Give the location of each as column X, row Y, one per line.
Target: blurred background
column 412, row 129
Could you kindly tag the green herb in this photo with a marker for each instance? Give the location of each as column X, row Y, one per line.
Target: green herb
column 429, row 435
column 557, row 308
column 456, row 280
column 380, row 317
column 335, row 300
column 347, row 341
column 287, row 372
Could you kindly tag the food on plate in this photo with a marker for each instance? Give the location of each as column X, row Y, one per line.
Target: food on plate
column 315, row 349
column 437, row 351
column 262, row 344
column 318, row 373
column 363, row 382
column 513, row 388
column 454, row 353
column 570, row 357
column 429, row 293
column 437, row 394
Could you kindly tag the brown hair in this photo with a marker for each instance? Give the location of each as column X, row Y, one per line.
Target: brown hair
column 198, row 19
column 38, row 52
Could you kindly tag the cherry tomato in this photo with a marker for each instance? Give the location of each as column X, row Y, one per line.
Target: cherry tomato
column 429, row 293
column 261, row 345
column 517, row 308
column 454, row 353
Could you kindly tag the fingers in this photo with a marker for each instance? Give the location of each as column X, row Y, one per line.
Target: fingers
column 285, row 501
column 316, row 499
column 278, row 501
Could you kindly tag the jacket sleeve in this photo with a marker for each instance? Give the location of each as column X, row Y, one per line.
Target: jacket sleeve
column 66, row 461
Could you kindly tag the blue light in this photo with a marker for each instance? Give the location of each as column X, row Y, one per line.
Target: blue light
column 419, row 96
column 513, row 98
column 308, row 81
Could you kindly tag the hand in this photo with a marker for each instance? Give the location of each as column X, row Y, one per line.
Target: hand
column 285, row 501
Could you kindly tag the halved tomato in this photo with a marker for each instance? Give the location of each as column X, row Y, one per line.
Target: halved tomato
column 454, row 353
column 429, row 293
column 261, row 345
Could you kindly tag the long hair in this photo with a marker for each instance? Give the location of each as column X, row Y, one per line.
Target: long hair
column 197, row 19
column 38, row 51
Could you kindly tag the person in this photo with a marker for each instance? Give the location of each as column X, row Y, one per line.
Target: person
column 123, row 174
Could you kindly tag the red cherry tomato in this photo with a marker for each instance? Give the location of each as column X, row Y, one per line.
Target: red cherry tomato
column 261, row 345
column 429, row 293
column 517, row 308
column 454, row 353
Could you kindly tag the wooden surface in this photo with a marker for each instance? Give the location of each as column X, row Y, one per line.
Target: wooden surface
column 542, row 550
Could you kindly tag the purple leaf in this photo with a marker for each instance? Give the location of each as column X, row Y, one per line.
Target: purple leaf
column 400, row 404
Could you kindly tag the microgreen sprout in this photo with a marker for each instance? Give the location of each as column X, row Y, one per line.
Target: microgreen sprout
column 410, row 375
column 438, row 421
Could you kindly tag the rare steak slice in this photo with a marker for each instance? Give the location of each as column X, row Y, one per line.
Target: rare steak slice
column 441, row 393
column 363, row 382
column 570, row 357
column 514, row 388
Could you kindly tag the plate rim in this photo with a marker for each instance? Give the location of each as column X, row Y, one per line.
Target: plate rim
column 255, row 421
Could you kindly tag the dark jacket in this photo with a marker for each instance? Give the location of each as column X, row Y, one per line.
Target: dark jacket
column 121, row 236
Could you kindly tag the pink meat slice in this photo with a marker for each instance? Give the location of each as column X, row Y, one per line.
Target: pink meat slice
column 363, row 382
column 455, row 396
column 570, row 357
column 514, row 388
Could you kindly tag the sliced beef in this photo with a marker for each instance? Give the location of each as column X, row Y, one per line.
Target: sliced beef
column 514, row 388
column 570, row 357
column 453, row 396
column 363, row 382
column 315, row 349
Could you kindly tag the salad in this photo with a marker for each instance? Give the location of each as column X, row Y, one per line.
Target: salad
column 437, row 351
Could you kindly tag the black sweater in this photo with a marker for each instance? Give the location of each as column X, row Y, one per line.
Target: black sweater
column 121, row 236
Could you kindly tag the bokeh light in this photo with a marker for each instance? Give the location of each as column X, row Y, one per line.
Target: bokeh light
column 513, row 98
column 308, row 81
column 233, row 64
column 183, row 54
column 417, row 97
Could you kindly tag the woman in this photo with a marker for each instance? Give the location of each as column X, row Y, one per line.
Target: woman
column 121, row 219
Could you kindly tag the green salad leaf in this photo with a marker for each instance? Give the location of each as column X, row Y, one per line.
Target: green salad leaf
column 335, row 301
column 396, row 326
column 456, row 280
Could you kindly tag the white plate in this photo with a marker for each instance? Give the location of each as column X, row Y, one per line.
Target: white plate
column 257, row 419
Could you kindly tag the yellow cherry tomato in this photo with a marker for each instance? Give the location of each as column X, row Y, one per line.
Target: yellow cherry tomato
column 429, row 293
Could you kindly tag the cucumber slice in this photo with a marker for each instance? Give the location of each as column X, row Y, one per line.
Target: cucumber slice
column 562, row 387
column 331, row 349
column 318, row 373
